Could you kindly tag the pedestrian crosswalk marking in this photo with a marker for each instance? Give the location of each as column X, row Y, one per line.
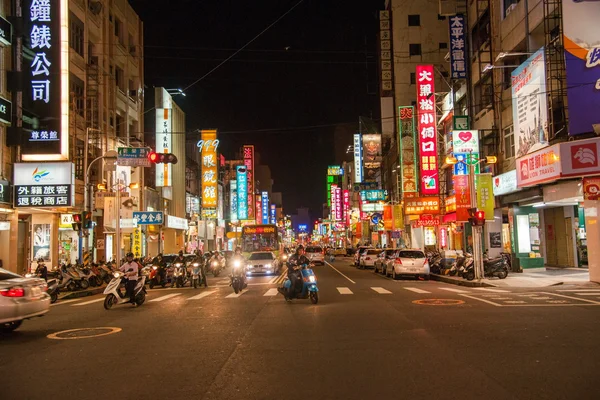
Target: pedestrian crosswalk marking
column 454, row 290
column 87, row 302
column 381, row 290
column 201, row 295
column 165, row 297
column 344, row 290
column 235, row 296
column 416, row 290
column 492, row 290
column 271, row 292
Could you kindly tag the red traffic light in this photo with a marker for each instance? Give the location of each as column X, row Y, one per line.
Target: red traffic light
column 76, row 218
column 480, row 215
column 162, row 158
column 153, row 157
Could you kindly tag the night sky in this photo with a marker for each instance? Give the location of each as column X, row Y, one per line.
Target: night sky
column 285, row 93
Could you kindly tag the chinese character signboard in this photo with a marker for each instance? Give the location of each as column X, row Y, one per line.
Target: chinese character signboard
column 44, row 184
column 422, row 205
column 505, row 183
column 461, row 167
column 273, row 214
column 136, row 244
column 242, row 193
column 373, row 195
column 358, row 172
column 265, row 207
column 335, row 170
column 233, row 200
column 458, row 66
column 133, row 156
column 582, row 58
column 346, row 197
column 462, row 197
column 385, row 53
column 529, row 106
column 371, row 156
column 539, row 167
column 465, row 142
column 485, row 195
column 46, row 91
column 334, row 210
column 208, row 146
column 248, row 154
column 163, row 145
column 339, row 215
column 408, row 169
column 427, row 130
column 148, row 217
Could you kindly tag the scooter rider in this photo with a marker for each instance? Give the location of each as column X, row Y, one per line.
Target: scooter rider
column 42, row 270
column 200, row 259
column 161, row 264
column 132, row 276
column 237, row 255
column 295, row 276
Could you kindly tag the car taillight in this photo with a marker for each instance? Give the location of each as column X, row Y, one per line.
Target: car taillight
column 367, row 258
column 13, row 292
column 398, row 261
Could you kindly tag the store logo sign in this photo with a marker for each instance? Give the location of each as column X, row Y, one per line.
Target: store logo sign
column 39, row 174
column 584, row 156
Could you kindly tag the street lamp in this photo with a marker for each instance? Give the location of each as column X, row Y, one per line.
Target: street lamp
column 471, row 163
column 502, row 55
column 490, row 67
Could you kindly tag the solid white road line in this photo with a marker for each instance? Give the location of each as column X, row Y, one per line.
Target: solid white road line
column 61, row 302
column 492, row 290
column 588, row 294
column 381, row 290
column 579, row 290
column 165, row 297
column 87, row 302
column 271, row 292
column 416, row 290
column 235, row 296
column 454, row 290
column 338, row 271
column 344, row 290
column 201, row 295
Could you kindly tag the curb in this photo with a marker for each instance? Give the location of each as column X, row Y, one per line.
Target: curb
column 462, row 282
column 82, row 293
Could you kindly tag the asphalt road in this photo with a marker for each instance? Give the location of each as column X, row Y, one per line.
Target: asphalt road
column 366, row 339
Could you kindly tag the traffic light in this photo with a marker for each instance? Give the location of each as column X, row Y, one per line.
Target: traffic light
column 77, row 222
column 476, row 217
column 162, row 158
column 86, row 220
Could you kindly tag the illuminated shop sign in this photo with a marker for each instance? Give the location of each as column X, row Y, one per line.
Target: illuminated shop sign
column 242, row 193
column 427, row 130
column 208, row 151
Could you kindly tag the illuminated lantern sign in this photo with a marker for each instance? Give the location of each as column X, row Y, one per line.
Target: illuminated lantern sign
column 248, row 153
column 208, row 148
column 427, row 130
column 265, row 207
column 47, row 89
column 242, row 192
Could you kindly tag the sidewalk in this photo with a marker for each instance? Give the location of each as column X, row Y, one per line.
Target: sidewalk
column 535, row 277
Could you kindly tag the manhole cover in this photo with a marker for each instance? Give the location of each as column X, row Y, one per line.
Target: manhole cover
column 83, row 333
column 439, row 302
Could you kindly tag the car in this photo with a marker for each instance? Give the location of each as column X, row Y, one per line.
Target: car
column 261, row 262
column 367, row 260
column 315, row 254
column 20, row 299
column 408, row 262
column 382, row 259
column 358, row 253
column 340, row 251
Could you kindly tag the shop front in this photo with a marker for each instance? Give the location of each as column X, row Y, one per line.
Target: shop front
column 68, row 240
column 174, row 233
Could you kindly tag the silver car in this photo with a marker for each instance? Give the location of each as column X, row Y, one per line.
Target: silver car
column 261, row 262
column 367, row 260
column 315, row 254
column 408, row 262
column 21, row 298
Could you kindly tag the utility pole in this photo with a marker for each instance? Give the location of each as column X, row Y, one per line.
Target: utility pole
column 476, row 230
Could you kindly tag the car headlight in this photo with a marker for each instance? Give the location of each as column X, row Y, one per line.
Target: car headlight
column 267, row 265
column 214, row 264
column 312, row 278
column 249, row 266
column 285, row 257
column 196, row 264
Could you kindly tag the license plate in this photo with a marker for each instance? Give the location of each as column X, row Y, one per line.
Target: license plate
column 36, row 291
column 412, row 269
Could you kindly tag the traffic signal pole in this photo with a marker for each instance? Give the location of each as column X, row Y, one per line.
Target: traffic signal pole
column 477, row 248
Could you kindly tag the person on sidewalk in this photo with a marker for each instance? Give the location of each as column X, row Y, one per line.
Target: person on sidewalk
column 130, row 269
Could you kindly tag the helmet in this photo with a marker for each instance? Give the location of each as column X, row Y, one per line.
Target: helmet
column 159, row 255
column 130, row 254
column 180, row 252
column 299, row 248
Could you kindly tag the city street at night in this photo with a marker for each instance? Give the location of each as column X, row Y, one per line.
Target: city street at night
column 368, row 337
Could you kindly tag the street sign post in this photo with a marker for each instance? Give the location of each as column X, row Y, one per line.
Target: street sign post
column 148, row 217
column 133, row 156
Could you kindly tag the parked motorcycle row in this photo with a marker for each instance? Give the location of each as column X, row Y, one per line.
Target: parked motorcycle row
column 180, row 274
column 464, row 267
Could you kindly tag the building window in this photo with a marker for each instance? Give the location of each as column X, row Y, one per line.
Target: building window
column 441, row 17
column 481, row 32
column 414, row 49
column 119, row 31
column 443, row 45
column 509, row 142
column 120, row 79
column 414, row 20
column 413, row 78
column 120, row 128
column 76, row 29
column 76, row 95
column 509, row 5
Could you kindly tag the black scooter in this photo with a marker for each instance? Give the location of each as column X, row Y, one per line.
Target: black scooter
column 53, row 290
column 496, row 267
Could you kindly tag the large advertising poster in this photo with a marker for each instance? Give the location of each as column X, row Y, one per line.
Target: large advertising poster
column 408, row 155
column 41, row 242
column 582, row 57
column 210, row 173
column 529, row 105
column 427, row 130
column 371, row 156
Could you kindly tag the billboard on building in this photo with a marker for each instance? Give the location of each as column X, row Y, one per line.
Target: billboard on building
column 529, row 105
column 248, row 154
column 44, row 185
column 273, row 214
column 242, row 192
column 358, row 171
column 371, row 156
column 338, row 204
column 46, row 92
column 427, row 130
column 582, row 59
column 408, row 151
column 458, row 65
column 210, row 172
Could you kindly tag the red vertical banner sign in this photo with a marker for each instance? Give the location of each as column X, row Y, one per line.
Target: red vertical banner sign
column 338, row 204
column 388, row 217
column 347, row 207
column 258, row 207
column 463, row 197
column 248, row 153
column 334, row 204
column 427, row 131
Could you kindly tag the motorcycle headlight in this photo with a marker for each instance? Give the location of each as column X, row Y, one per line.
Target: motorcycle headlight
column 285, row 257
column 236, row 264
column 117, row 274
column 312, row 278
column 177, row 264
column 154, row 267
column 214, row 263
column 196, row 264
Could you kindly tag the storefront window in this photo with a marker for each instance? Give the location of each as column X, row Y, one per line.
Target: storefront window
column 524, row 237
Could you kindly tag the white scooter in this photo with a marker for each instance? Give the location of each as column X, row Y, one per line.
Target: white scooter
column 114, row 295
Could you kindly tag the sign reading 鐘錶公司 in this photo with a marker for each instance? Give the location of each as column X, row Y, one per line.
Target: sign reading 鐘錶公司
column 208, row 146
column 46, row 91
column 44, row 184
column 427, row 130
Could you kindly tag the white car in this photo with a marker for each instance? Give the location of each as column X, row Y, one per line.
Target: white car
column 21, row 298
column 261, row 262
column 408, row 263
column 367, row 260
column 359, row 252
column 315, row 254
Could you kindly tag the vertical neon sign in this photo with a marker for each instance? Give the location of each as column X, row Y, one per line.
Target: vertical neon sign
column 242, row 192
column 427, row 130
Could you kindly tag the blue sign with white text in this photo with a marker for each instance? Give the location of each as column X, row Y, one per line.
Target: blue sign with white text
column 148, row 217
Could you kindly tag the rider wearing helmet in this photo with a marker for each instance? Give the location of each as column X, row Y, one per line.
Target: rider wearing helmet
column 130, row 269
column 295, row 276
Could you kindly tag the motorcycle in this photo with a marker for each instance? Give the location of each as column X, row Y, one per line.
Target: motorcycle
column 309, row 285
column 435, row 262
column 196, row 274
column 158, row 276
column 179, row 275
column 238, row 276
column 496, row 267
column 216, row 265
column 67, row 279
column 52, row 286
column 100, row 274
column 87, row 274
column 114, row 295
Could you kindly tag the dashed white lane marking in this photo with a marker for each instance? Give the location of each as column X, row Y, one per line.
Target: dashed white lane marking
column 235, row 296
column 381, row 290
column 165, row 297
column 61, row 302
column 271, row 292
column 201, row 295
column 492, row 290
column 344, row 290
column 87, row 302
column 454, row 290
column 416, row 290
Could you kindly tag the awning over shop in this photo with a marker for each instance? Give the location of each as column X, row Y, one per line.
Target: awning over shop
column 450, row 217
